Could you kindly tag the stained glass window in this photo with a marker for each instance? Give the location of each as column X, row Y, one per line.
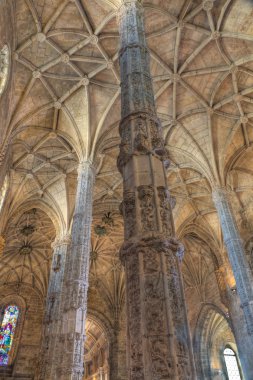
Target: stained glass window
column 232, row 365
column 7, row 332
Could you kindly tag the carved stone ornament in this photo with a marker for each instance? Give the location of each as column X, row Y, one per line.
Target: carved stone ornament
column 165, row 210
column 146, row 196
column 129, row 212
column 149, row 253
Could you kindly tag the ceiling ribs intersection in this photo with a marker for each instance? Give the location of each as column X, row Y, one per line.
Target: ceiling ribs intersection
column 176, row 75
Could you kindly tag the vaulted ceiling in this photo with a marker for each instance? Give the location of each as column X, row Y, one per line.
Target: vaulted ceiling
column 67, row 86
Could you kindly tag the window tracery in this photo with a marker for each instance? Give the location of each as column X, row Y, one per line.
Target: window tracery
column 4, row 66
column 231, row 364
column 7, row 332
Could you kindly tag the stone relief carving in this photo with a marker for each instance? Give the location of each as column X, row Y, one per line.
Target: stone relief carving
column 146, row 196
column 165, row 210
column 146, row 296
column 128, row 209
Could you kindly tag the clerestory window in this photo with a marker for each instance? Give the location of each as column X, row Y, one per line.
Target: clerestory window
column 232, row 366
column 7, row 332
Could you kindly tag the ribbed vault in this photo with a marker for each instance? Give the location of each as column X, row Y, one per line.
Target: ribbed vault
column 65, row 108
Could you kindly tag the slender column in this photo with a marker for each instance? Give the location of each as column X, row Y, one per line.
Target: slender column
column 156, row 347
column 236, row 254
column 230, row 298
column 53, row 310
column 70, row 345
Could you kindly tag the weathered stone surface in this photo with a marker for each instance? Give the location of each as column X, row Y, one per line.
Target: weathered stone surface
column 157, row 340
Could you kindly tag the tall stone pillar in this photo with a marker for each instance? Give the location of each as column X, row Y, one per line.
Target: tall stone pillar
column 186, row 329
column 157, row 347
column 53, row 311
column 69, row 354
column 242, row 274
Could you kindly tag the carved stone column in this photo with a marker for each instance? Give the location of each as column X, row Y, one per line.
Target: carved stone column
column 69, row 354
column 236, row 254
column 53, row 311
column 157, row 347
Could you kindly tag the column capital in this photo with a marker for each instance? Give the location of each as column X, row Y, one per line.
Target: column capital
column 84, row 165
column 61, row 240
column 221, row 192
column 125, row 2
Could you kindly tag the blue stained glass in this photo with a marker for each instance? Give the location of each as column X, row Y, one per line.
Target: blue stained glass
column 7, row 331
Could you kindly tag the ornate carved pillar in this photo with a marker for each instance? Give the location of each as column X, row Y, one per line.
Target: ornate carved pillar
column 53, row 311
column 158, row 347
column 236, row 254
column 69, row 353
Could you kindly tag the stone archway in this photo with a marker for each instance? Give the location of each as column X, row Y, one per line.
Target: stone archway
column 212, row 334
column 96, row 357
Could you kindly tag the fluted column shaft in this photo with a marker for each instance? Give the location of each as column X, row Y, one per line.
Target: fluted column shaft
column 53, row 310
column 70, row 350
column 243, row 279
column 157, row 339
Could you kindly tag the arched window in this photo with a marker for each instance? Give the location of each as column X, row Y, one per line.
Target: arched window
column 7, row 332
column 232, row 366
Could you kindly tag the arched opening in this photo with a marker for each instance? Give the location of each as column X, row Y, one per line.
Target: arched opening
column 231, row 363
column 213, row 333
column 96, row 350
column 7, row 332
